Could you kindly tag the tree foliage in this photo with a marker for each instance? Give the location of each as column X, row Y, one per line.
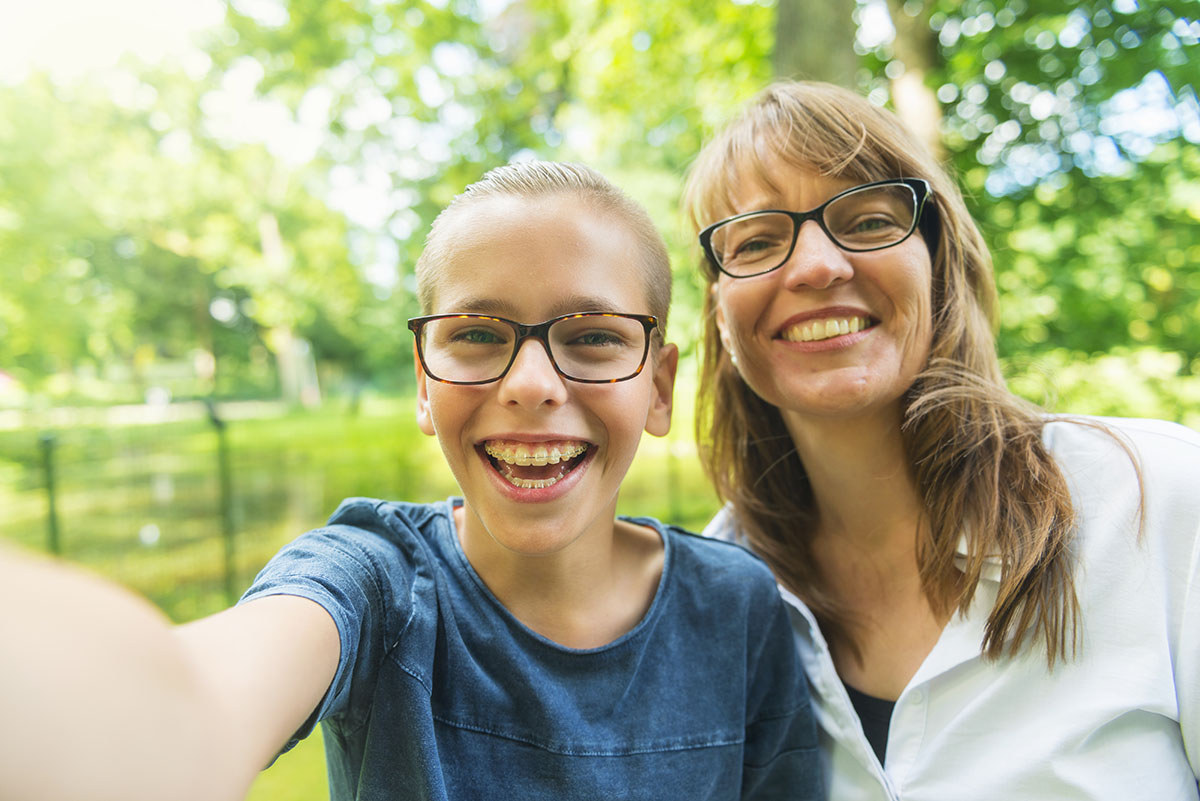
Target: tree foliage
column 146, row 224
column 138, row 249
column 1073, row 128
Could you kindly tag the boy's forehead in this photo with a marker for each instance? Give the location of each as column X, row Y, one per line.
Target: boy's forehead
column 501, row 252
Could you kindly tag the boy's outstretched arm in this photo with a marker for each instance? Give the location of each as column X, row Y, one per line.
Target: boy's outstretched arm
column 102, row 698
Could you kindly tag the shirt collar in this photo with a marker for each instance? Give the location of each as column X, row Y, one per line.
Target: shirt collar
column 992, row 565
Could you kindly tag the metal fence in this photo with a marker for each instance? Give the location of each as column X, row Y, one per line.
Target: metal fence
column 184, row 507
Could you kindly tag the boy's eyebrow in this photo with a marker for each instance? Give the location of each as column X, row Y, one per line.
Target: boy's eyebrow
column 503, row 308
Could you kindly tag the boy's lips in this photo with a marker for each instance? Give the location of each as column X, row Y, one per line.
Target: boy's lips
column 534, row 465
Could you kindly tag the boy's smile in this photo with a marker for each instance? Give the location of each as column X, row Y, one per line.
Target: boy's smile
column 540, row 458
column 535, row 465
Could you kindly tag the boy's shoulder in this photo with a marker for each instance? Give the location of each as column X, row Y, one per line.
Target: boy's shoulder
column 374, row 532
column 388, row 517
column 718, row 562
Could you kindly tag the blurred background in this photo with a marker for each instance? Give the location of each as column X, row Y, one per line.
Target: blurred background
column 210, row 211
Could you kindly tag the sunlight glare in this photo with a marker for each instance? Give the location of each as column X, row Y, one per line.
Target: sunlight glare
column 72, row 39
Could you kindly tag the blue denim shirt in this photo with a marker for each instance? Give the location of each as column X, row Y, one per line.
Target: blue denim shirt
column 440, row 693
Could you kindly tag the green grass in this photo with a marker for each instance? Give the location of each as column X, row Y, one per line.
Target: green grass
column 298, row 775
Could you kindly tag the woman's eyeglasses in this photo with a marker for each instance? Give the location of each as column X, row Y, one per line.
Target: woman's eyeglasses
column 868, row 217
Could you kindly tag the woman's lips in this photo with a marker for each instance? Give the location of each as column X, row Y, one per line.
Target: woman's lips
column 815, row 330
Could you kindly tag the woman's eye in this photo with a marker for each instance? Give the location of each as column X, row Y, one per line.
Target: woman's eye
column 874, row 224
column 869, row 226
column 754, row 248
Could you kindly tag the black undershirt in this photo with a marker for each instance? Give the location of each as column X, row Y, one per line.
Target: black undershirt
column 876, row 716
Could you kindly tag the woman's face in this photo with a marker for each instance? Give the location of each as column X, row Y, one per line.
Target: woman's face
column 831, row 333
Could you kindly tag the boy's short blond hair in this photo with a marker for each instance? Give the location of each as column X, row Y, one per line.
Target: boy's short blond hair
column 533, row 179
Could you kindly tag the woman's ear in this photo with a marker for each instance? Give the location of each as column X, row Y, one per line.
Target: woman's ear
column 665, row 363
column 424, row 418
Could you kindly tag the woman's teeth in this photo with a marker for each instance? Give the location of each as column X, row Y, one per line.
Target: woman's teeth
column 827, row 328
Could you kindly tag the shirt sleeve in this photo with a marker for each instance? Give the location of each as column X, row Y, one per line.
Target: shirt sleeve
column 362, row 578
column 781, row 755
column 1187, row 672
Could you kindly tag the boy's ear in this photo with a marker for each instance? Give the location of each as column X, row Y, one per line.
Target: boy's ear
column 666, row 362
column 424, row 418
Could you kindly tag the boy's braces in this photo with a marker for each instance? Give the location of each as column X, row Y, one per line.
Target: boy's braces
column 535, row 455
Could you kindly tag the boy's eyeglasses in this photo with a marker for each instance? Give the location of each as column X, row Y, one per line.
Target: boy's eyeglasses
column 589, row 347
column 868, row 217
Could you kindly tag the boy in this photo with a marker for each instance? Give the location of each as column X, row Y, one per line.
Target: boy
column 521, row 642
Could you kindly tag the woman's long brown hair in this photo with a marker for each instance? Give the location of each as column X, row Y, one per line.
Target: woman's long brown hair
column 975, row 450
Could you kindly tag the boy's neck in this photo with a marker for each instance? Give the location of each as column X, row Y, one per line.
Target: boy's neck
column 584, row 596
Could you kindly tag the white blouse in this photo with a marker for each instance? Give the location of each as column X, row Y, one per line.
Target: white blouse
column 1120, row 721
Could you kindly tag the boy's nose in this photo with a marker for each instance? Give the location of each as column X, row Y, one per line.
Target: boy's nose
column 816, row 261
column 532, row 379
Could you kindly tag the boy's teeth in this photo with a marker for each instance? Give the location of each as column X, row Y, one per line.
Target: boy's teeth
column 827, row 328
column 531, row 483
column 519, row 454
column 536, row 455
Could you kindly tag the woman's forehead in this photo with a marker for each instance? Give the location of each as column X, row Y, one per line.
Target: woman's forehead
column 772, row 181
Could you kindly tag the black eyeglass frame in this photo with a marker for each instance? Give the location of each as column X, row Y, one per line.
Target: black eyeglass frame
column 921, row 192
column 539, row 332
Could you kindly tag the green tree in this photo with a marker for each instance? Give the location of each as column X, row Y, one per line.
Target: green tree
column 131, row 238
column 1073, row 128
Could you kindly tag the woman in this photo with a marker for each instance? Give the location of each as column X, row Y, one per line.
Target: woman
column 991, row 603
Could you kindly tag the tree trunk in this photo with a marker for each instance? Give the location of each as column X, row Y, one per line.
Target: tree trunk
column 916, row 48
column 814, row 40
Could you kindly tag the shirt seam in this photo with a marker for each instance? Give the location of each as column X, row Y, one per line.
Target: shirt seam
column 596, row 752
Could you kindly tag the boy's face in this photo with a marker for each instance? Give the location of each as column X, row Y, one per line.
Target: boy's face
column 529, row 260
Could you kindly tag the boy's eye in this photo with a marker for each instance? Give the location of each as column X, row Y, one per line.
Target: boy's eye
column 477, row 335
column 597, row 338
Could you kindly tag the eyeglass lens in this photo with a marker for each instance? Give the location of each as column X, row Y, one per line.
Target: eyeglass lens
column 590, row 347
column 866, row 219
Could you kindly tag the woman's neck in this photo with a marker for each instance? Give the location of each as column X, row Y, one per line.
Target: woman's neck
column 869, row 518
column 860, row 477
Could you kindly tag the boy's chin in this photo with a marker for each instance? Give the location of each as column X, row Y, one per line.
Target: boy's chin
column 531, row 538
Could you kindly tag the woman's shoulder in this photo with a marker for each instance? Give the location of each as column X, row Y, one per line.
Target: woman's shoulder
column 1132, row 470
column 1066, row 430
column 1168, row 451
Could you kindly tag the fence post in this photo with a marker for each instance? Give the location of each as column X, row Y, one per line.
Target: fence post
column 224, row 475
column 53, row 543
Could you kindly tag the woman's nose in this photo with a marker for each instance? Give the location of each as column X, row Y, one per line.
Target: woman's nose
column 816, row 261
column 532, row 380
